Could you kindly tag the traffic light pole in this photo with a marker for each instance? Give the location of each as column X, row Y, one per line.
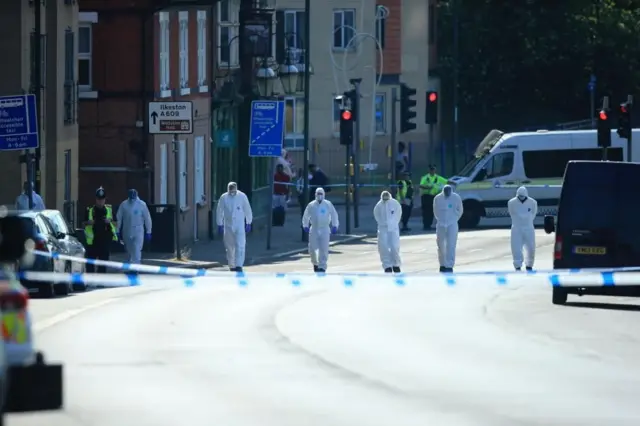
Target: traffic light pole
column 347, row 178
column 630, row 103
column 394, row 146
column 605, row 107
column 356, row 153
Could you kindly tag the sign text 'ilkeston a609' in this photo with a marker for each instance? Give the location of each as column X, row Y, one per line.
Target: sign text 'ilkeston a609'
column 170, row 117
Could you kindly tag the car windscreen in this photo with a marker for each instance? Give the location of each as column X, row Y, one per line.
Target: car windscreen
column 601, row 197
column 57, row 221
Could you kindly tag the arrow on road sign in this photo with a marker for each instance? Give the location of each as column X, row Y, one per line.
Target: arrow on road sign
column 154, row 115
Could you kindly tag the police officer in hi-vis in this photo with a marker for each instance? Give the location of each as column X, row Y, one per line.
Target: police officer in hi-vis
column 99, row 231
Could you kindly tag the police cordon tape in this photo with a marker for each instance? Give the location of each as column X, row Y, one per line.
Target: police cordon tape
column 567, row 277
column 585, row 279
column 190, row 272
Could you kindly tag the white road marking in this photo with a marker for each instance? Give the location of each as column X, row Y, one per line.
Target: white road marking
column 64, row 316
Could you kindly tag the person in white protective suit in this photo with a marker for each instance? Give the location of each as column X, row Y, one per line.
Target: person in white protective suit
column 388, row 213
column 132, row 220
column 523, row 210
column 320, row 219
column 447, row 209
column 234, row 218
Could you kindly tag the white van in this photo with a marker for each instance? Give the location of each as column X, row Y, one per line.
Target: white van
column 505, row 161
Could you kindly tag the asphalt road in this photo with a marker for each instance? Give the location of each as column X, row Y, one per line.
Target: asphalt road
column 278, row 356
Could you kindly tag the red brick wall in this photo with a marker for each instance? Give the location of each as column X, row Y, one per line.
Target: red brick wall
column 393, row 38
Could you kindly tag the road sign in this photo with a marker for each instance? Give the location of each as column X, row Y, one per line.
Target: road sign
column 170, row 118
column 18, row 123
column 267, row 128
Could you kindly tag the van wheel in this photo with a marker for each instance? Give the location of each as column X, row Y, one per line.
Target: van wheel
column 559, row 296
column 471, row 215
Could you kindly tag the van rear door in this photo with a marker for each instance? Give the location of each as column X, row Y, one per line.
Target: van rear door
column 599, row 216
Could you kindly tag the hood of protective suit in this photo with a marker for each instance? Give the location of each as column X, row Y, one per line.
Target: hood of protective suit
column 319, row 194
column 447, row 190
column 522, row 192
column 385, row 194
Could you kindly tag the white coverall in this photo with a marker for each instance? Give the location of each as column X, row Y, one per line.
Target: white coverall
column 320, row 217
column 234, row 212
column 132, row 219
column 388, row 214
column 523, row 210
column 447, row 211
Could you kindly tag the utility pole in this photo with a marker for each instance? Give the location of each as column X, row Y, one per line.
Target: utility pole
column 307, row 90
column 356, row 152
column 176, row 184
column 33, row 160
column 456, row 77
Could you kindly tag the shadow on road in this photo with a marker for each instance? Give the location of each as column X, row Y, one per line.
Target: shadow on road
column 607, row 306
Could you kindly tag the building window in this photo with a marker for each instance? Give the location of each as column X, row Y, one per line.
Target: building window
column 381, row 23
column 228, row 24
column 183, row 20
column 202, row 51
column 381, row 113
column 294, row 29
column 84, row 57
column 344, row 25
column 294, row 123
column 165, row 66
column 69, row 77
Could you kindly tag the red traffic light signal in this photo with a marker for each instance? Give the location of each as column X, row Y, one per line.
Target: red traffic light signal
column 346, row 115
column 623, row 108
column 603, row 115
column 433, row 97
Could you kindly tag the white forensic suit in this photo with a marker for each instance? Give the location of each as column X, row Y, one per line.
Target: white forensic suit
column 133, row 219
column 447, row 210
column 523, row 210
column 388, row 213
column 234, row 214
column 320, row 217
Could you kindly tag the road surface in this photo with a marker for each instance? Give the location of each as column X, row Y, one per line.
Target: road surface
column 279, row 356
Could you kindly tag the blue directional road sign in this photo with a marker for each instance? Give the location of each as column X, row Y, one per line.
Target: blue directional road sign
column 18, row 123
column 267, row 129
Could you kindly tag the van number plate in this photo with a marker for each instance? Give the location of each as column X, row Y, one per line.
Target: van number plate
column 590, row 250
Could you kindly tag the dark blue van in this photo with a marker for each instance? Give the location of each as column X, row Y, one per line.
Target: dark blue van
column 598, row 223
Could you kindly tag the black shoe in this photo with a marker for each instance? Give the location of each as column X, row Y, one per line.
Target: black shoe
column 529, row 268
column 518, row 269
column 320, row 271
column 396, row 269
column 450, row 270
column 443, row 269
column 388, row 270
column 315, row 268
column 239, row 269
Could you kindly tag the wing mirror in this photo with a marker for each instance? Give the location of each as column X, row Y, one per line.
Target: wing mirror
column 549, row 224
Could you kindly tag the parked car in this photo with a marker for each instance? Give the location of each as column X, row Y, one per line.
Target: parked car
column 27, row 383
column 70, row 245
column 45, row 240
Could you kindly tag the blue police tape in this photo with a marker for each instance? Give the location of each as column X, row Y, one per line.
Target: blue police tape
column 586, row 279
column 528, row 186
column 169, row 270
column 341, row 185
column 189, row 272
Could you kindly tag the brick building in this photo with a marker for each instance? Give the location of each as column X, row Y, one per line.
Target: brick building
column 58, row 163
column 136, row 54
column 405, row 29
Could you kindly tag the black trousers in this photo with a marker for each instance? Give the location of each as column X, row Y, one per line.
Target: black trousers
column 406, row 214
column 427, row 210
column 98, row 251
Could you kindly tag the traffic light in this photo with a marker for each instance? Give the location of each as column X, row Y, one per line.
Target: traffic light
column 624, row 120
column 346, row 127
column 407, row 108
column 353, row 101
column 431, row 110
column 604, row 129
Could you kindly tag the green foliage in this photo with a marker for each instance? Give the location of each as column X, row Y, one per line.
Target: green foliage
column 528, row 62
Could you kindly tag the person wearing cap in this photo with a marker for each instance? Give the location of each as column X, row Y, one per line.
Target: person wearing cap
column 22, row 201
column 430, row 185
column 405, row 197
column 134, row 219
column 99, row 231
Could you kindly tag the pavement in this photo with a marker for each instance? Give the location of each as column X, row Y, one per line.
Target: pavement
column 285, row 241
column 276, row 355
